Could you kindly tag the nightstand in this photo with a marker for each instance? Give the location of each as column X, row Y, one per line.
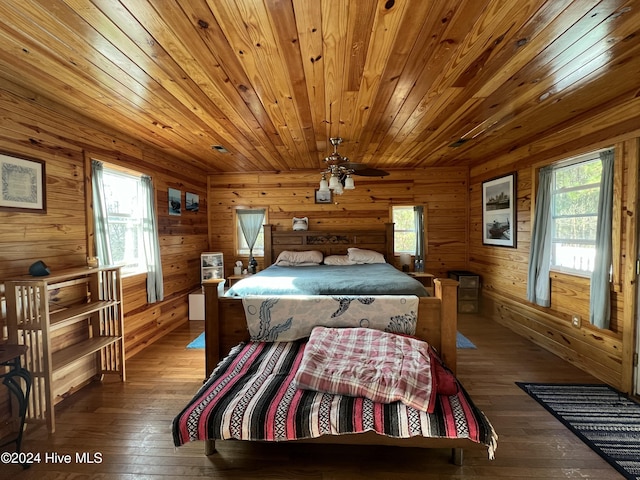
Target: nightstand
column 425, row 279
column 231, row 279
column 468, row 290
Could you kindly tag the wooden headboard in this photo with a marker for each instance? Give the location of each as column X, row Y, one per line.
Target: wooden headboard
column 333, row 242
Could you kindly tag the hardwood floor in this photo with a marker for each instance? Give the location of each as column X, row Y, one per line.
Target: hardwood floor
column 129, row 425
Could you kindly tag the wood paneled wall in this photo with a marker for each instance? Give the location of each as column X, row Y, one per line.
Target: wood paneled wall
column 606, row 354
column 36, row 127
column 442, row 190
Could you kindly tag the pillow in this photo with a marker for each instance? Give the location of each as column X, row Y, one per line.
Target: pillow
column 338, row 260
column 445, row 382
column 290, row 258
column 284, row 263
column 359, row 255
column 362, row 362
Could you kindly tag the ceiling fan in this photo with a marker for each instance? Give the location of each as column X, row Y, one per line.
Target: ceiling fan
column 340, row 171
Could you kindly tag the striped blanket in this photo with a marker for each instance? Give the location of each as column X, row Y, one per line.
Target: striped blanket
column 250, row 396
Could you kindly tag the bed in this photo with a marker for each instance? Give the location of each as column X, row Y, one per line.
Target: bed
column 358, row 279
column 456, row 423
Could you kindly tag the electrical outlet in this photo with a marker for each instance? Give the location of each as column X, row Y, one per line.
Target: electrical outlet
column 576, row 321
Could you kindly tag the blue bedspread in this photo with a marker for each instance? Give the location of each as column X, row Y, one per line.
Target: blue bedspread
column 370, row 279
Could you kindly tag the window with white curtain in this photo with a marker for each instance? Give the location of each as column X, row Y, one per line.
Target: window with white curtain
column 575, row 188
column 242, row 247
column 123, row 197
column 404, row 229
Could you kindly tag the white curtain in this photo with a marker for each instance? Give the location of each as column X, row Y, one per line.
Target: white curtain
column 151, row 241
column 599, row 297
column 100, row 218
column 538, row 286
column 250, row 223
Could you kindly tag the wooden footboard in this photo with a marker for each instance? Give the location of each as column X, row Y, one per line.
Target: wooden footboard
column 225, row 324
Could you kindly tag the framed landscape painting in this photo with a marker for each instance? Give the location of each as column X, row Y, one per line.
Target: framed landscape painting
column 498, row 211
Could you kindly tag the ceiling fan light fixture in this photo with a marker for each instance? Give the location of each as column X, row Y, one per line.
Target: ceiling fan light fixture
column 340, row 171
column 334, row 182
column 324, row 185
column 349, row 184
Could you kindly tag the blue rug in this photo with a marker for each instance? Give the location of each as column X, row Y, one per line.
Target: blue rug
column 198, row 342
column 461, row 342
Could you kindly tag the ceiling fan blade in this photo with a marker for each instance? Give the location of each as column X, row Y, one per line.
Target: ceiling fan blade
column 343, row 166
column 353, row 166
column 371, row 172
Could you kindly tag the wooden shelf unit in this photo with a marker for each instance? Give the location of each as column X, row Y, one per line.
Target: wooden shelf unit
column 211, row 265
column 72, row 322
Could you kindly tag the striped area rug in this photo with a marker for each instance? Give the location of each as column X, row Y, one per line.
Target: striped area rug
column 603, row 418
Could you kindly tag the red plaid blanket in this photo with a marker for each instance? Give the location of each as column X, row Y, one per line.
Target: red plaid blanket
column 362, row 362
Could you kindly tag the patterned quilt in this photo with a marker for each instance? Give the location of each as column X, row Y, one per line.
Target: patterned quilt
column 293, row 317
column 250, row 396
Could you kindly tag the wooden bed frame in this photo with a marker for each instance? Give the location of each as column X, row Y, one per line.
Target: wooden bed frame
column 225, row 324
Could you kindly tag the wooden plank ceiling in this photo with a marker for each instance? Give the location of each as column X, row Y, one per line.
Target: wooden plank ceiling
column 271, row 80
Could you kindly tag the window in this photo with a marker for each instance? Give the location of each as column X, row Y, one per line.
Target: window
column 573, row 220
column 575, row 189
column 404, row 230
column 122, row 192
column 257, row 217
column 126, row 228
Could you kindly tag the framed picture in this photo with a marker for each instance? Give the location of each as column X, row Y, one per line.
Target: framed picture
column 22, row 184
column 191, row 202
column 499, row 211
column 323, row 197
column 175, row 201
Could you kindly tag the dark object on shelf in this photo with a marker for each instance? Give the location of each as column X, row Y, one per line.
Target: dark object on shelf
column 253, row 265
column 39, row 269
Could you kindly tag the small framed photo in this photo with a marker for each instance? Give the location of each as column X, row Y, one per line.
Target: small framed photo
column 499, row 211
column 323, row 197
column 191, row 202
column 22, row 184
column 175, row 201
